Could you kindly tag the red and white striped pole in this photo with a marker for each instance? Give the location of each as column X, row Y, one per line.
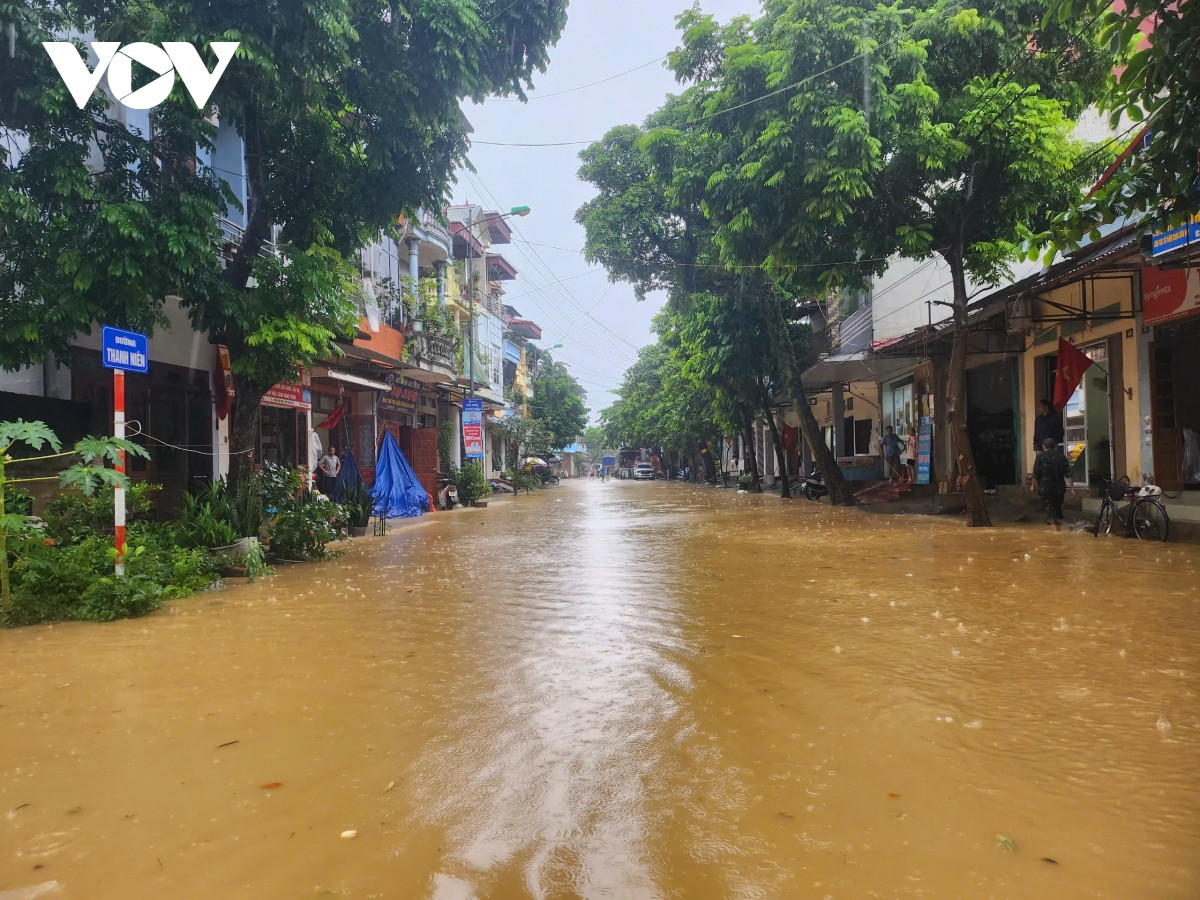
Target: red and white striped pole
column 119, row 491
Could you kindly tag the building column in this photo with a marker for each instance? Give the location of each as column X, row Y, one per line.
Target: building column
column 838, row 412
column 439, row 269
column 414, row 266
column 456, row 445
column 1145, row 422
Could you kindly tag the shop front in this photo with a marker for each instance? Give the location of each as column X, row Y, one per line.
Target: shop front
column 409, row 412
column 283, row 425
column 1171, row 310
column 1100, row 436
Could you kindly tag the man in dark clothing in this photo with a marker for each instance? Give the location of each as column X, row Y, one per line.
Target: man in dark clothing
column 1052, row 479
column 1048, row 424
column 892, row 445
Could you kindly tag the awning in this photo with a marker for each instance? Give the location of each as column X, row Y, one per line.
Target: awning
column 348, row 378
column 856, row 367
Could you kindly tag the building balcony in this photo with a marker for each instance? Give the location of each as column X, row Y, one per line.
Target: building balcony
column 435, row 358
column 232, row 235
column 437, row 244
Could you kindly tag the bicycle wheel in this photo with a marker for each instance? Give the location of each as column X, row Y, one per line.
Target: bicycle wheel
column 1150, row 522
column 1104, row 518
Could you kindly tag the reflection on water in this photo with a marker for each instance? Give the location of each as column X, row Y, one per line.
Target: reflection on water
column 627, row 690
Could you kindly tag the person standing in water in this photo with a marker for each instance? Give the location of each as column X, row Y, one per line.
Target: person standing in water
column 892, row 445
column 1052, row 479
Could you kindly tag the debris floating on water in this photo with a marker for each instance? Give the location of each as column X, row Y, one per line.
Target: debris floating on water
column 1006, row 843
column 1163, row 725
column 349, row 833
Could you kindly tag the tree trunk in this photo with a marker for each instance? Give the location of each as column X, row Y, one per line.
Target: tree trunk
column 243, row 431
column 258, row 223
column 956, row 389
column 786, row 491
column 840, row 493
column 749, row 451
column 710, row 467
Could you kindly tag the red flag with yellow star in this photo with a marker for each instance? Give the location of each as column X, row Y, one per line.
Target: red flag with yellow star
column 1072, row 363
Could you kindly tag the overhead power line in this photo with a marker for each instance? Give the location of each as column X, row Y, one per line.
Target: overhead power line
column 584, row 87
column 540, row 264
column 720, row 112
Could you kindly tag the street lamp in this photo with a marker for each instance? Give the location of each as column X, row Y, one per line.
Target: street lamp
column 520, row 211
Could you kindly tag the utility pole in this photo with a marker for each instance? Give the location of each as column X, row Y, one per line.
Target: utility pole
column 470, row 318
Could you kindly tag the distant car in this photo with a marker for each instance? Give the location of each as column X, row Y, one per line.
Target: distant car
column 643, row 471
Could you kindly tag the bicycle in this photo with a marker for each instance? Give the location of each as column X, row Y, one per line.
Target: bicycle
column 1143, row 516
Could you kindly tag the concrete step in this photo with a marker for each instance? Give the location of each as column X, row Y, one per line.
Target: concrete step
column 883, row 491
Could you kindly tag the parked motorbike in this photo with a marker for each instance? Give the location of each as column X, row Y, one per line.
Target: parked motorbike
column 814, row 486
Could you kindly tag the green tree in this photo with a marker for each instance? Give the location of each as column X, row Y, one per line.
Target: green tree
column 946, row 131
column 557, row 403
column 648, row 226
column 1155, row 81
column 350, row 115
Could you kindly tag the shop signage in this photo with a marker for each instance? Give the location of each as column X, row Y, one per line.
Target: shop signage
column 403, row 397
column 292, row 396
column 1166, row 241
column 1169, row 294
column 924, row 449
column 472, row 425
column 127, row 351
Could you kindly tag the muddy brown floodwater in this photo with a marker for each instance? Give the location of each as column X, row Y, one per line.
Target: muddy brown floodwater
column 627, row 690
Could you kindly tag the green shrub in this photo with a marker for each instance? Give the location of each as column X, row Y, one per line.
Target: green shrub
column 746, row 481
column 281, row 486
column 523, row 480
column 302, row 528
column 254, row 562
column 204, row 519
column 470, row 483
column 17, row 502
column 445, row 443
column 49, row 581
column 245, row 504
column 72, row 517
column 52, row 583
column 358, row 505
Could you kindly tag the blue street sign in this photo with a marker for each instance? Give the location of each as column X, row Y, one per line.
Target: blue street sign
column 124, row 350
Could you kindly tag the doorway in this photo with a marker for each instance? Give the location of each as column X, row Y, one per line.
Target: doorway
column 1174, row 368
column 991, row 422
column 1087, row 417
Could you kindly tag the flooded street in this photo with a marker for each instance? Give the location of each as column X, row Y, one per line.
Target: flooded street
column 627, row 690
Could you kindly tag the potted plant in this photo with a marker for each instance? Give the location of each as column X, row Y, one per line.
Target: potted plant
column 359, row 505
column 471, row 484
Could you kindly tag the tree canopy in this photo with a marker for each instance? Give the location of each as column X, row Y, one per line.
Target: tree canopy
column 1155, row 81
column 557, row 403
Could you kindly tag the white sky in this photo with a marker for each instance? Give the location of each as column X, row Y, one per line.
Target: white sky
column 600, row 325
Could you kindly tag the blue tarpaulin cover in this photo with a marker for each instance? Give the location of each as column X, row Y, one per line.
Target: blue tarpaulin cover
column 397, row 492
column 348, row 476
